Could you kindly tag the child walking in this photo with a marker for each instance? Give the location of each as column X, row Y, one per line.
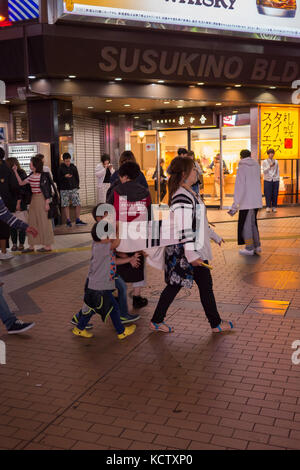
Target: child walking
column 183, row 262
column 99, row 287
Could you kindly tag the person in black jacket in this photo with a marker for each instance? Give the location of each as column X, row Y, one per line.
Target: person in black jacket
column 68, row 182
column 20, row 207
column 8, row 191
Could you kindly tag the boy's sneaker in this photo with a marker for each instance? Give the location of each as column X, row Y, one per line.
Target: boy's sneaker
column 268, row 209
column 5, row 256
column 129, row 318
column 139, row 302
column 83, row 333
column 75, row 321
column 19, row 327
column 80, row 222
column 246, row 252
column 69, row 223
column 129, row 330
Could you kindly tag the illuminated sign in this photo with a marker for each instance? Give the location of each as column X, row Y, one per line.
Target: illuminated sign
column 184, row 120
column 281, row 18
column 24, row 153
column 279, row 131
column 24, row 10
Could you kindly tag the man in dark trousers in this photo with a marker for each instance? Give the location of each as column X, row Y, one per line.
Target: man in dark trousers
column 68, row 182
column 9, row 190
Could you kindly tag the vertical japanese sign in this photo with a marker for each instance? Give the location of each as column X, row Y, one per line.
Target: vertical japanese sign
column 279, row 130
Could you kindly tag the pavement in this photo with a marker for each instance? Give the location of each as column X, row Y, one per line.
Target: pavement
column 188, row 390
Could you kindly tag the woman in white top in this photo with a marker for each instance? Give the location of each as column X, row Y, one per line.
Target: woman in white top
column 187, row 260
column 103, row 172
column 270, row 170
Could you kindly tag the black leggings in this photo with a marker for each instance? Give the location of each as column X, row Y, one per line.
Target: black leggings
column 203, row 279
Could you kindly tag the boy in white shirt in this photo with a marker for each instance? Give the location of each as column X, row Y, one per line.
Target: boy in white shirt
column 270, row 170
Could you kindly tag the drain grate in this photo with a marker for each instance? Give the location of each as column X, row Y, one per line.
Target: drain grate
column 268, row 307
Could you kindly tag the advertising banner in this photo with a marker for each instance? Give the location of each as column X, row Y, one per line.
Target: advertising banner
column 270, row 17
column 280, row 131
column 24, row 10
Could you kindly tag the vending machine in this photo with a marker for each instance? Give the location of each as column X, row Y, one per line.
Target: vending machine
column 25, row 151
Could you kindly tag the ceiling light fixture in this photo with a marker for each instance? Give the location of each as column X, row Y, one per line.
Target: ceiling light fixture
column 272, row 87
column 160, row 81
column 90, row 107
column 200, row 83
column 238, row 86
column 218, row 104
column 108, row 111
column 118, row 79
column 127, row 105
column 166, row 102
column 108, row 101
column 72, row 76
column 31, row 77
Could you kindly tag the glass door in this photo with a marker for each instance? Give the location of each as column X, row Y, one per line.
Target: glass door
column 206, row 145
column 169, row 143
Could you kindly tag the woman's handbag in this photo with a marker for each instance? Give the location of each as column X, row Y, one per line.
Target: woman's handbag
column 54, row 211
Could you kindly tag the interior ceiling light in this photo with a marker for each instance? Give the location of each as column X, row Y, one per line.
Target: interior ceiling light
column 218, row 104
column 142, row 109
column 179, row 106
column 118, row 79
column 127, row 105
column 166, row 102
column 72, row 76
column 108, row 111
column 272, row 87
column 161, row 81
column 191, row 86
column 136, row 117
column 90, row 107
column 108, row 101
column 200, row 83
column 237, row 86
column 32, row 77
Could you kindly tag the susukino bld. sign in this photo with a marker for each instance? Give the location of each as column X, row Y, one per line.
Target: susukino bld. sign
column 274, row 17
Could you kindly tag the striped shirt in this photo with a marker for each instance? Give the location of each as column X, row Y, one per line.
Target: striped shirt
column 34, row 181
column 9, row 219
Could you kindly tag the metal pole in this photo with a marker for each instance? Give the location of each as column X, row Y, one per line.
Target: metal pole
column 158, row 166
column 221, row 160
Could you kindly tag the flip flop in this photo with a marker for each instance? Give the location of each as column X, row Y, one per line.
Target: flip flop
column 224, row 326
column 161, row 327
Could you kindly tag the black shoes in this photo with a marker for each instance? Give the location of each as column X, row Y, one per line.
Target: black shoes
column 19, row 327
column 139, row 302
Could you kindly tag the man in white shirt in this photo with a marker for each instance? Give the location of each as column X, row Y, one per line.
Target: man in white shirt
column 270, row 170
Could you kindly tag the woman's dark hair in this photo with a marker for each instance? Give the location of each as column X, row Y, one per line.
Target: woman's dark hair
column 67, row 156
column 126, row 156
column 129, row 169
column 179, row 167
column 11, row 161
column 2, row 153
column 245, row 153
column 38, row 164
column 105, row 157
column 40, row 155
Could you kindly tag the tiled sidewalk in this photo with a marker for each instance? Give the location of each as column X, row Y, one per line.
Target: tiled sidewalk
column 187, row 390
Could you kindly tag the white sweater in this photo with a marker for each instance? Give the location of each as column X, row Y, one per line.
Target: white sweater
column 247, row 190
column 100, row 173
column 270, row 173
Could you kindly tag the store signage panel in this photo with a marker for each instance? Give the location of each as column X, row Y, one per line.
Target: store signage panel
column 23, row 10
column 24, row 153
column 272, row 17
column 279, row 131
column 184, row 120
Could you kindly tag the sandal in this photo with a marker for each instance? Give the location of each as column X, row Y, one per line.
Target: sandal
column 161, row 327
column 224, row 326
column 43, row 250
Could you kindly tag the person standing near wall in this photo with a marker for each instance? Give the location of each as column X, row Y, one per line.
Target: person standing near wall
column 68, row 182
column 103, row 172
column 247, row 200
column 270, row 170
column 9, row 190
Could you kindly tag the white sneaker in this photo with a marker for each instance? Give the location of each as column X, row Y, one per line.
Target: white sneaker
column 257, row 250
column 268, row 209
column 4, row 256
column 246, row 252
column 274, row 209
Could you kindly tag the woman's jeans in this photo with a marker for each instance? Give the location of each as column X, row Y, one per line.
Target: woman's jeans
column 271, row 189
column 6, row 316
column 122, row 295
column 203, row 279
column 14, row 236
